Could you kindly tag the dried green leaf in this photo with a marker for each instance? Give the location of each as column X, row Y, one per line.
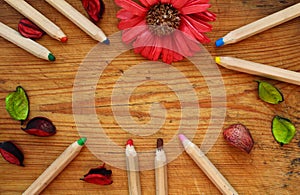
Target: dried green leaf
column 283, row 130
column 268, row 93
column 17, row 104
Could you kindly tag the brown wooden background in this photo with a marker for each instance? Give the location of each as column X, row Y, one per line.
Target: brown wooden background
column 268, row 169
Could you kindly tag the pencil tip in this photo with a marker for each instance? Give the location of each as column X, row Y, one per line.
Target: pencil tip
column 182, row 137
column 218, row 60
column 81, row 141
column 64, row 39
column 51, row 57
column 220, row 42
column 129, row 142
column 159, row 143
column 106, row 41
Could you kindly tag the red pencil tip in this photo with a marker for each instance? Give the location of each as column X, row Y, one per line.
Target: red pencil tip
column 129, row 142
column 64, row 39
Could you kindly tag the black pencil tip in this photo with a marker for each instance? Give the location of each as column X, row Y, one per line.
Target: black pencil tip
column 159, row 143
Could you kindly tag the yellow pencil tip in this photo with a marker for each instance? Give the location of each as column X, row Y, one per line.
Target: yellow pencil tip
column 218, row 60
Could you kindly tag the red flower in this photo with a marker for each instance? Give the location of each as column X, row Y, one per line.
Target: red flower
column 167, row 29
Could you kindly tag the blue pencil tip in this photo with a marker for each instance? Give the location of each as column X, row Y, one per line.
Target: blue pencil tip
column 219, row 42
column 106, row 41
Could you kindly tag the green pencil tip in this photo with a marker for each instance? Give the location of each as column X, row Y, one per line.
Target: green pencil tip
column 51, row 57
column 81, row 141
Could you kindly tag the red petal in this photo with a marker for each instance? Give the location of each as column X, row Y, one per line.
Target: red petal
column 132, row 33
column 206, row 16
column 165, row 1
column 130, row 23
column 198, row 24
column 10, row 157
column 188, row 28
column 131, row 6
column 123, row 14
column 156, row 49
column 98, row 179
column 194, row 8
column 152, row 2
column 144, row 2
column 167, row 54
column 194, row 2
column 145, row 39
column 39, row 132
column 181, row 44
column 178, row 3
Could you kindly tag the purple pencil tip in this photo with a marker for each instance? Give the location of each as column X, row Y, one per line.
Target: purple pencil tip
column 182, row 137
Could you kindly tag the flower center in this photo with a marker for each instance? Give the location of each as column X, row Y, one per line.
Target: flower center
column 163, row 19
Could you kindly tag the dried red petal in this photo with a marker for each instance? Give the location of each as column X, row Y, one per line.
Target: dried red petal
column 94, row 8
column 11, row 153
column 40, row 126
column 99, row 175
column 29, row 30
column 97, row 179
column 239, row 136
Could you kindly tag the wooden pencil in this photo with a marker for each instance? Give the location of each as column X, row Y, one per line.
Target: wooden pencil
column 80, row 20
column 134, row 185
column 260, row 25
column 55, row 168
column 161, row 177
column 39, row 19
column 25, row 43
column 259, row 69
column 207, row 167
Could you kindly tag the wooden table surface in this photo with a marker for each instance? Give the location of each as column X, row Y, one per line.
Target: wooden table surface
column 268, row 169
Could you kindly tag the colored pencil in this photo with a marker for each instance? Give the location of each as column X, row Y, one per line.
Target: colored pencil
column 260, row 25
column 134, row 184
column 80, row 20
column 259, row 69
column 39, row 19
column 161, row 177
column 206, row 166
column 55, row 168
column 25, row 43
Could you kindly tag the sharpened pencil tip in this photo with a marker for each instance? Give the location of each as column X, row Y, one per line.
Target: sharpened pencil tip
column 51, row 57
column 218, row 60
column 159, row 143
column 129, row 142
column 106, row 41
column 220, row 42
column 81, row 141
column 182, row 137
column 64, row 39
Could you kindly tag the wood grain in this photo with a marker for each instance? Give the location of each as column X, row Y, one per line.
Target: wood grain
column 268, row 169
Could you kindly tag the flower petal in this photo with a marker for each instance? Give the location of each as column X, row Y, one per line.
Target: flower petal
column 196, row 8
column 181, row 44
column 165, row 1
column 131, row 6
column 167, row 53
column 152, row 2
column 130, row 22
column 124, row 14
column 188, row 28
column 206, row 16
column 129, row 35
column 156, row 48
column 194, row 2
column 145, row 39
column 198, row 24
column 144, row 2
column 178, row 3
